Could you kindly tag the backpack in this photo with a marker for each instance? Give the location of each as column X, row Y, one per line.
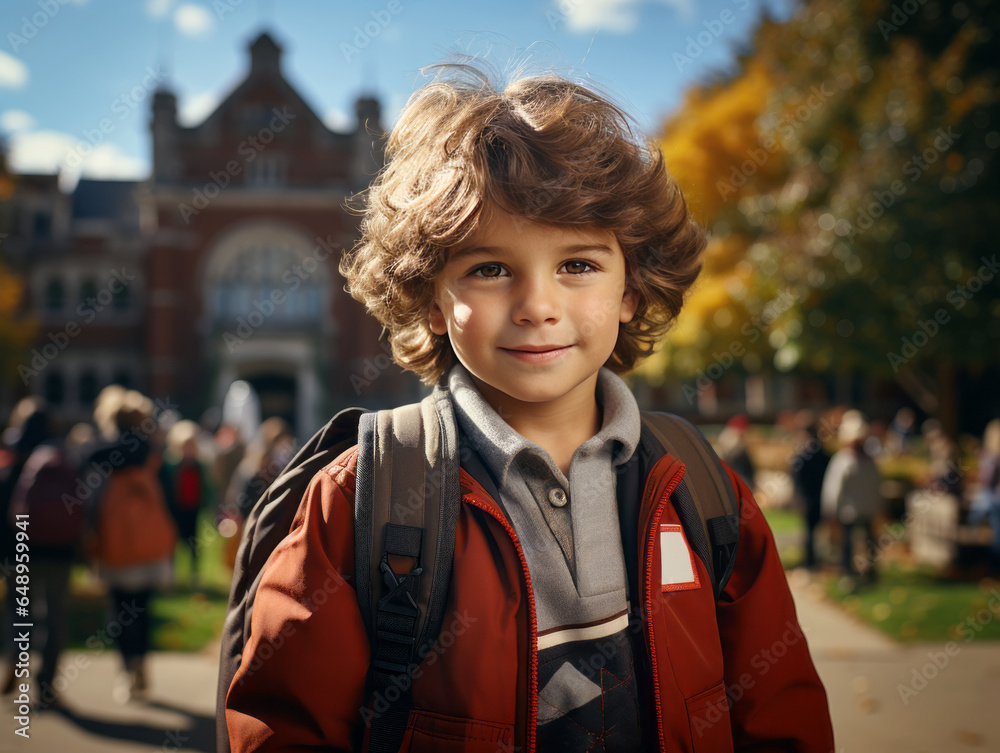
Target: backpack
column 407, row 504
column 45, row 491
column 133, row 523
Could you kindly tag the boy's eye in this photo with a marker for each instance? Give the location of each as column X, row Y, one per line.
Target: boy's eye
column 488, row 270
column 577, row 267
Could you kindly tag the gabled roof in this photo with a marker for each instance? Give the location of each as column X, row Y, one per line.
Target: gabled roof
column 263, row 50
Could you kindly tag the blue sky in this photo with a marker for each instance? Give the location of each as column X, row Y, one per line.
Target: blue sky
column 68, row 65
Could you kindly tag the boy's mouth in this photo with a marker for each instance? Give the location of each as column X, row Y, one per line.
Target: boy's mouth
column 537, row 353
column 536, row 348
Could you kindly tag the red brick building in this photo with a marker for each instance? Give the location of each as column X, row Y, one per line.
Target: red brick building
column 221, row 266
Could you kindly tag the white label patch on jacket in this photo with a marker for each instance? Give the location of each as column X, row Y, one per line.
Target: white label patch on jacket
column 678, row 571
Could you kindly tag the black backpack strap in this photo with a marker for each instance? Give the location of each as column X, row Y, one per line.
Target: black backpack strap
column 407, row 504
column 706, row 500
column 267, row 524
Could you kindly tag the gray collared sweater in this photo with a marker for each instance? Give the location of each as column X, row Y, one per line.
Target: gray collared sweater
column 569, row 531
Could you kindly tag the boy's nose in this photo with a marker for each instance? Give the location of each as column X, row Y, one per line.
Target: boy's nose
column 537, row 302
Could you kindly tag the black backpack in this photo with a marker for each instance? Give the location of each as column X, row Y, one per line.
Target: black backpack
column 407, row 504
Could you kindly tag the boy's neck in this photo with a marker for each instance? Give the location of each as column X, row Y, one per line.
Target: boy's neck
column 558, row 426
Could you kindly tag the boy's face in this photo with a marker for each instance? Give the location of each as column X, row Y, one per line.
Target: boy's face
column 532, row 311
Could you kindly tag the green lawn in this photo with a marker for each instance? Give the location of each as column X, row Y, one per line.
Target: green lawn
column 912, row 604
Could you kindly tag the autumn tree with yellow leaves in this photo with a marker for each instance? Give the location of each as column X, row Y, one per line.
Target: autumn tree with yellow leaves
column 16, row 333
column 847, row 175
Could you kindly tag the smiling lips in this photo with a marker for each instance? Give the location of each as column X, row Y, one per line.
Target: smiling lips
column 537, row 348
column 537, row 353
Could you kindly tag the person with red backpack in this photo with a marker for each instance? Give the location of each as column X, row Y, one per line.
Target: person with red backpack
column 522, row 249
column 133, row 535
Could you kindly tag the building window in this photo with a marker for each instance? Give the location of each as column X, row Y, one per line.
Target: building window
column 266, row 170
column 55, row 388
column 87, row 388
column 123, row 378
column 88, row 291
column 121, row 299
column 41, row 225
column 55, row 295
column 245, row 284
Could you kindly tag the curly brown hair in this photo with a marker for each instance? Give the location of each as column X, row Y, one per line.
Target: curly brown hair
column 545, row 149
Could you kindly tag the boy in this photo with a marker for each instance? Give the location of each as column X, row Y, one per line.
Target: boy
column 522, row 248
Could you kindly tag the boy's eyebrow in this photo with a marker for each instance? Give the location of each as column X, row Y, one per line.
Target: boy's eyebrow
column 574, row 248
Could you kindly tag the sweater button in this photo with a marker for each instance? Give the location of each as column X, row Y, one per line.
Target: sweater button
column 557, row 497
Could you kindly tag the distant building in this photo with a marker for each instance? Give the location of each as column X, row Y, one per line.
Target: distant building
column 222, row 265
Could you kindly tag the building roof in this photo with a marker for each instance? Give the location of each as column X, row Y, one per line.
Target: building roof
column 112, row 200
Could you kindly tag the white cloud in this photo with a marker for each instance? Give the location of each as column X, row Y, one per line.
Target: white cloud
column 16, row 120
column 620, row 16
column 338, row 120
column 193, row 20
column 606, row 15
column 109, row 162
column 194, row 110
column 54, row 151
column 159, row 8
column 13, row 73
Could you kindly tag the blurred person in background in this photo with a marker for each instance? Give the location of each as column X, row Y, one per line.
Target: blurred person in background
column 986, row 505
column 733, row 448
column 43, row 476
column 270, row 451
column 18, row 441
column 808, row 469
column 186, row 485
column 134, row 536
column 229, row 451
column 945, row 473
column 901, row 431
column 850, row 493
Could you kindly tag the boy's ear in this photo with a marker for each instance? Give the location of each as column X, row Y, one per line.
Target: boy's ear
column 630, row 303
column 435, row 318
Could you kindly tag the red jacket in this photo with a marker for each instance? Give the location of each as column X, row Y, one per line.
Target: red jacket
column 732, row 676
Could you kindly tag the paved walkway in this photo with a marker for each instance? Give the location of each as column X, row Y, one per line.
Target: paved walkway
column 954, row 710
column 949, row 702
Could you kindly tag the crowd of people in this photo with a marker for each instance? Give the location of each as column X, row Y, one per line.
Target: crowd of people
column 123, row 494
column 843, row 490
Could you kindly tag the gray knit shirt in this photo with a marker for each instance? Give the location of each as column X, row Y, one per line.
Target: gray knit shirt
column 569, row 531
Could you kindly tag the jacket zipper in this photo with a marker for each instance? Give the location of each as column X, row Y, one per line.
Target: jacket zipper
column 650, row 542
column 533, row 658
